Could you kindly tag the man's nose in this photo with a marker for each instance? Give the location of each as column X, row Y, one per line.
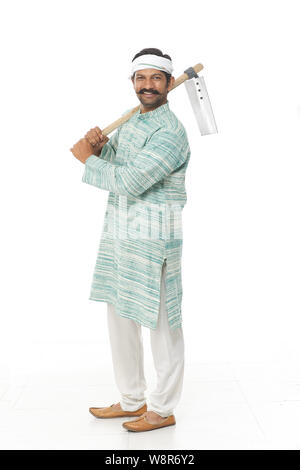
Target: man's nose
column 148, row 83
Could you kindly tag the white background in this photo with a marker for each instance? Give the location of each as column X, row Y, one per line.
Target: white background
column 65, row 67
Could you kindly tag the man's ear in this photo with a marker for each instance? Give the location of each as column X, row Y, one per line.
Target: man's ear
column 171, row 83
column 133, row 84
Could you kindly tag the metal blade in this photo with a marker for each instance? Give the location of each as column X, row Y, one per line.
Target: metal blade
column 200, row 102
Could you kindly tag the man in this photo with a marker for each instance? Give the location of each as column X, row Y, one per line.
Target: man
column 138, row 266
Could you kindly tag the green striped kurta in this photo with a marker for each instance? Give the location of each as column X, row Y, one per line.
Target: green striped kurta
column 143, row 167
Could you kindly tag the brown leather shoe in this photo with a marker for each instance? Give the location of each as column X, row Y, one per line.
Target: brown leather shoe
column 109, row 412
column 141, row 424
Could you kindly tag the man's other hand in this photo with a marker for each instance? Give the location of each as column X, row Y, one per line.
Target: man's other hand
column 96, row 139
column 82, row 150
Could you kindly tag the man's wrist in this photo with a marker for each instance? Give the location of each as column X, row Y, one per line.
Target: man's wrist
column 97, row 152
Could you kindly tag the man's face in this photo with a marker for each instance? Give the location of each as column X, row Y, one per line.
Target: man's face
column 151, row 88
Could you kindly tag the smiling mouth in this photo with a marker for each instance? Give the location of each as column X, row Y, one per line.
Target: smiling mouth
column 148, row 92
column 149, row 95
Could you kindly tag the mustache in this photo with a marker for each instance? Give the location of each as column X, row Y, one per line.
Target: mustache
column 155, row 92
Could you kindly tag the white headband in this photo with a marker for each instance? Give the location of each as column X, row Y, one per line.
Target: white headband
column 152, row 61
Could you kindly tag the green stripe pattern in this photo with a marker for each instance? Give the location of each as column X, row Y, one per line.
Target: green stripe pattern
column 143, row 168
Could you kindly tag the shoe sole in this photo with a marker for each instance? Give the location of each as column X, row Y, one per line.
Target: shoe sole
column 153, row 429
column 111, row 417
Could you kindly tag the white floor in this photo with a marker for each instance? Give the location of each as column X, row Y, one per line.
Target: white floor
column 223, row 406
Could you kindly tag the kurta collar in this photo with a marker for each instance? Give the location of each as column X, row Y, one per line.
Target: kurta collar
column 156, row 112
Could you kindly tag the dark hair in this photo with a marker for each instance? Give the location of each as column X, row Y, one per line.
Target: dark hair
column 154, row 52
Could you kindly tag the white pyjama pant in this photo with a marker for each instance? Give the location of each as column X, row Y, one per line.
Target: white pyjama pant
column 167, row 347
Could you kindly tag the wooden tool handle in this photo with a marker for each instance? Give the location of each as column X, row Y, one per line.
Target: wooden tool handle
column 128, row 115
column 182, row 78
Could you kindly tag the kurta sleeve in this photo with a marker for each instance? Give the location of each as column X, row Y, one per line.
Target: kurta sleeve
column 166, row 151
column 108, row 152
